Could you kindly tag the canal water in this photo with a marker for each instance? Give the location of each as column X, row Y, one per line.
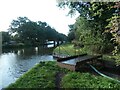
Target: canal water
column 15, row 62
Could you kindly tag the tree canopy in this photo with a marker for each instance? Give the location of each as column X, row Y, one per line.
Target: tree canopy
column 94, row 24
column 30, row 32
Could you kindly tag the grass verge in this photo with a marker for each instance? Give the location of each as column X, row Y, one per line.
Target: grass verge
column 86, row 80
column 43, row 76
column 67, row 49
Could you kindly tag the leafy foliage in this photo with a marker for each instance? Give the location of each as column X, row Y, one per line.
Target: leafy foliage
column 86, row 80
column 71, row 34
column 87, row 32
column 90, row 26
column 114, row 28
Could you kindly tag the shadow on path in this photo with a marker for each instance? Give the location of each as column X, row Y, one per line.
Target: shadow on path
column 59, row 76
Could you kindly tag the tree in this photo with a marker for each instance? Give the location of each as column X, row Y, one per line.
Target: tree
column 81, row 7
column 32, row 33
column 15, row 24
column 114, row 27
column 71, row 34
column 90, row 26
column 62, row 37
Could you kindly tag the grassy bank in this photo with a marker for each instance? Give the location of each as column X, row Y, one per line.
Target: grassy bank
column 68, row 49
column 43, row 75
column 71, row 50
column 86, row 80
column 40, row 76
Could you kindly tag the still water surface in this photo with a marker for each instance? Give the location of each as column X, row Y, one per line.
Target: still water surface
column 14, row 63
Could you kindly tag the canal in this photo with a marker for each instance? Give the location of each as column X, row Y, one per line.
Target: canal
column 15, row 62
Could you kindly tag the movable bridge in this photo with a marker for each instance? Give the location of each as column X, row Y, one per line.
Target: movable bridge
column 75, row 62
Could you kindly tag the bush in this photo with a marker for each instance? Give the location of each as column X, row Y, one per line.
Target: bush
column 106, row 48
column 118, row 48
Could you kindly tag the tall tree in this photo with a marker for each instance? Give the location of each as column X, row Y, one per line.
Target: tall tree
column 32, row 33
column 71, row 34
column 92, row 21
column 114, row 27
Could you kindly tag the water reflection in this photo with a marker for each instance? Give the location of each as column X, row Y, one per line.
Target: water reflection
column 13, row 63
column 31, row 51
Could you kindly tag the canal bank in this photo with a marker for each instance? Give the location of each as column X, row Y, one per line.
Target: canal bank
column 49, row 75
column 43, row 75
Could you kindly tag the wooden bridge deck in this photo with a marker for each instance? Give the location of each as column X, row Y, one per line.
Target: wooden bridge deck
column 65, row 58
column 60, row 56
column 77, row 62
column 80, row 59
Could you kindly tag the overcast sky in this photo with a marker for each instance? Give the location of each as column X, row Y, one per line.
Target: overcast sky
column 35, row 10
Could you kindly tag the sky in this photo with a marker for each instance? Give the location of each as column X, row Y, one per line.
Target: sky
column 35, row 10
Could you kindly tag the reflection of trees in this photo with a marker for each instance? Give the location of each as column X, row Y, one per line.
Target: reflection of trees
column 29, row 52
column 6, row 50
column 43, row 51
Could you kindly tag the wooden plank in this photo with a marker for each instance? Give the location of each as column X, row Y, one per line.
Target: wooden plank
column 70, row 57
column 60, row 56
column 91, row 59
column 67, row 66
column 80, row 59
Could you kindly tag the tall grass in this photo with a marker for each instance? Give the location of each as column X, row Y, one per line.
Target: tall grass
column 68, row 49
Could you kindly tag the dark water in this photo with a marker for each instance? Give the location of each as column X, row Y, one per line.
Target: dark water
column 14, row 63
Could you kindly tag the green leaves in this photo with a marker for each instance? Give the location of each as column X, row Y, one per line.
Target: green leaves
column 86, row 80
